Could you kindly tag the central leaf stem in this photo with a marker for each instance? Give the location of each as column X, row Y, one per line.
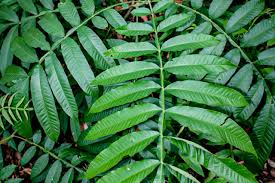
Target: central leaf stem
column 162, row 95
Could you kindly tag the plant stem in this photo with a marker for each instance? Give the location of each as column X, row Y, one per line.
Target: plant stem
column 233, row 43
column 49, row 152
column 162, row 95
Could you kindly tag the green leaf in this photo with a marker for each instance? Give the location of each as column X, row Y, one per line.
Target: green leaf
column 95, row 48
column 135, row 29
column 124, row 94
column 21, row 50
column 255, row 95
column 13, row 73
column 60, row 85
column 189, row 41
column 260, row 33
column 128, row 50
column 100, row 22
column 36, row 39
column 28, row 155
column 172, row 22
column 218, row 8
column 217, row 49
column 228, row 168
column 182, row 176
column 267, row 57
column 75, row 128
column 28, row 5
column 54, row 173
column 78, row 65
column 206, row 93
column 7, row 171
column 114, row 18
column 197, row 64
column 142, row 11
column 69, row 12
column 129, row 144
column 122, row 120
column 40, row 165
column 196, row 4
column 204, row 28
column 6, row 55
column 47, row 4
column 14, row 180
column 264, row 130
column 242, row 79
column 44, row 104
column 212, row 124
column 51, row 25
column 162, row 5
column 8, row 14
column 134, row 172
column 88, row 7
column 68, row 176
column 244, row 15
column 125, row 72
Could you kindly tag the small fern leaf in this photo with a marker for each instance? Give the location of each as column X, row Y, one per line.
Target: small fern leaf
column 122, row 120
column 129, row 144
column 124, row 94
column 134, row 172
column 228, row 168
column 78, row 65
column 206, row 93
column 189, row 41
column 125, row 72
column 128, row 50
column 244, row 15
column 197, row 64
column 212, row 123
column 44, row 104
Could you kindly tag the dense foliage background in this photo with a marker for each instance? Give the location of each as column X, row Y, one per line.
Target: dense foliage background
column 137, row 91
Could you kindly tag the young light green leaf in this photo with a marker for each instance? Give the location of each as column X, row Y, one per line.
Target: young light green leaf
column 206, row 93
column 142, row 11
column 162, row 5
column 54, row 173
column 28, row 5
column 28, row 155
column 264, row 129
column 51, row 25
column 197, row 64
column 6, row 55
column 78, row 65
column 40, row 165
column 128, row 50
column 60, row 85
column 228, row 168
column 36, row 39
column 267, row 57
column 99, row 22
column 69, row 12
column 129, row 144
column 134, row 172
column 114, row 18
column 44, row 104
column 260, row 33
column 173, row 21
column 95, row 47
column 189, row 41
column 21, row 50
column 8, row 14
column 218, row 8
column 88, row 7
column 135, row 29
column 124, row 94
column 125, row 72
column 122, row 120
column 213, row 125
column 244, row 15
